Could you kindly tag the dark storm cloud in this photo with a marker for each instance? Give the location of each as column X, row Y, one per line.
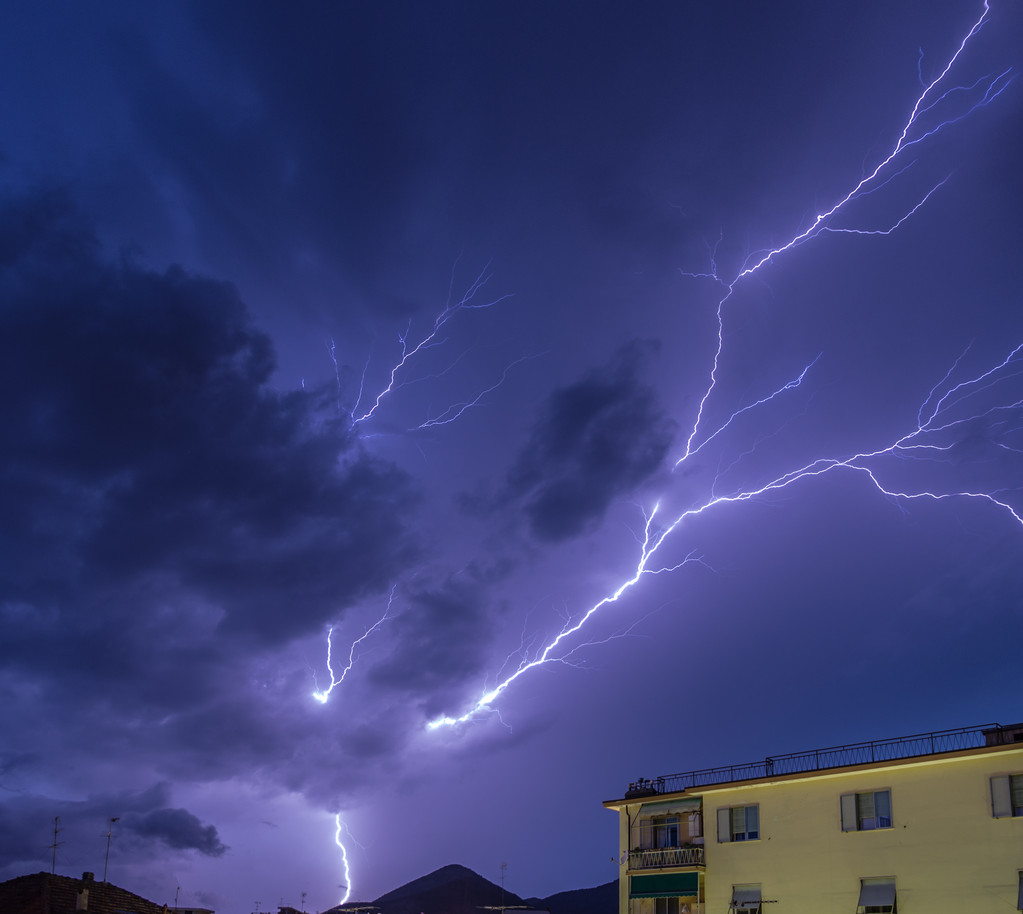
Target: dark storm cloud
column 178, row 829
column 146, row 827
column 155, row 485
column 438, row 641
column 595, row 440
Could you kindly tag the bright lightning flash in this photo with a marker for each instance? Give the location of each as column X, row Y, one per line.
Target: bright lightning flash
column 936, row 426
column 335, row 681
column 344, row 860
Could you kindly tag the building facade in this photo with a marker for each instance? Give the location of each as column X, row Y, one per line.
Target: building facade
column 926, row 823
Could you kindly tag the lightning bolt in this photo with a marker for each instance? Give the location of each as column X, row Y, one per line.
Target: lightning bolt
column 344, row 860
column 409, row 350
column 937, row 421
column 322, row 696
column 457, row 410
column 926, row 102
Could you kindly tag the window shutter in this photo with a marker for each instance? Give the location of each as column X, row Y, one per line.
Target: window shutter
column 725, row 823
column 877, row 893
column 848, row 801
column 738, row 821
column 865, row 806
column 1001, row 804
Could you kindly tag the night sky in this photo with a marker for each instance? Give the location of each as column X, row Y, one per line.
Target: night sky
column 218, row 221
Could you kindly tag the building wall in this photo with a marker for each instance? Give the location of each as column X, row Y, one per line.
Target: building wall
column 945, row 849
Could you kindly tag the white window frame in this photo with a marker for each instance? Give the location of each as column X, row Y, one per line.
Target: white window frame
column 857, row 809
column 727, row 820
column 1007, row 796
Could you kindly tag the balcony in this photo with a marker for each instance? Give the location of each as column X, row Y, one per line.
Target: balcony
column 664, row 857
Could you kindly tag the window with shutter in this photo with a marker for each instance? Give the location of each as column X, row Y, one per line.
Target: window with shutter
column 877, row 896
column 1007, row 795
column 739, row 823
column 866, row 811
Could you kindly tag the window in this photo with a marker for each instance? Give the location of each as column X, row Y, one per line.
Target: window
column 866, row 811
column 1019, row 902
column 659, row 831
column 665, row 833
column 696, row 825
column 1007, row 795
column 739, row 823
column 746, row 899
column 665, row 906
column 877, row 896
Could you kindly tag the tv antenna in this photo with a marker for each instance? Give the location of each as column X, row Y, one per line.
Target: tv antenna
column 110, row 831
column 56, row 844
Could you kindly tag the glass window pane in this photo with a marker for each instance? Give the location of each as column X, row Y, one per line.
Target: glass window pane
column 883, row 808
column 753, row 821
column 1016, row 789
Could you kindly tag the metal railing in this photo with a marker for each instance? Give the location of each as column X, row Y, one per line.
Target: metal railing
column 833, row 757
column 657, row 858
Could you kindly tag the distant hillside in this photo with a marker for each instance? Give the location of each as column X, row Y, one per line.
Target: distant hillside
column 452, row 889
column 602, row 899
column 456, row 889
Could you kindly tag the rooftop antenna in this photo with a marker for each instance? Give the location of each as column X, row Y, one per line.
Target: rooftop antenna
column 55, row 845
column 177, row 892
column 110, row 831
column 303, row 901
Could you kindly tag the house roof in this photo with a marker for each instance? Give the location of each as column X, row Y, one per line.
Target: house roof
column 46, row 893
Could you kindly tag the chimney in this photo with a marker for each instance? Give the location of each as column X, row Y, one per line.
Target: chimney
column 82, row 902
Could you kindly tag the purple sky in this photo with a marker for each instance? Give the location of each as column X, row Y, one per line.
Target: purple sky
column 200, row 200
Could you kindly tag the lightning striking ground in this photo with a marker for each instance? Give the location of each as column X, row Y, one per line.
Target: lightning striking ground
column 937, row 426
column 344, row 860
column 323, row 696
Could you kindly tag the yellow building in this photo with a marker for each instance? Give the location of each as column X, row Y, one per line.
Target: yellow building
column 928, row 823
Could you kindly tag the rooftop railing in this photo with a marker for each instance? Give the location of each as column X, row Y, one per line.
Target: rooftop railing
column 833, row 757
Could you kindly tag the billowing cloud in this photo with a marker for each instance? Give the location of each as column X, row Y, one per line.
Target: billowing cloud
column 178, row 829
column 158, row 489
column 595, row 440
column 438, row 642
column 144, row 828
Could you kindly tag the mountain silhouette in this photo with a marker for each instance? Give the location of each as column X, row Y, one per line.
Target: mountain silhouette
column 456, row 889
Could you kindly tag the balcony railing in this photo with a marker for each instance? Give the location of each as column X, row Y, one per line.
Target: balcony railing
column 832, row 757
column 661, row 857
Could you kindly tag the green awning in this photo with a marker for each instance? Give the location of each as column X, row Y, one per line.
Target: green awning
column 664, row 885
column 667, row 807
